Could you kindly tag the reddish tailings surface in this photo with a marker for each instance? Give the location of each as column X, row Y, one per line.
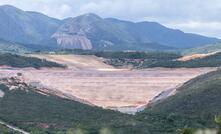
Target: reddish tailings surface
column 104, row 86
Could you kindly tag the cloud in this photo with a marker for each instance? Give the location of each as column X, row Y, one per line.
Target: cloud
column 200, row 16
column 205, row 28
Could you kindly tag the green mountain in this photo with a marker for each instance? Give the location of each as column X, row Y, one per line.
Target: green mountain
column 26, row 27
column 90, row 31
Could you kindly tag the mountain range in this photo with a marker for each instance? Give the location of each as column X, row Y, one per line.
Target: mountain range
column 89, row 31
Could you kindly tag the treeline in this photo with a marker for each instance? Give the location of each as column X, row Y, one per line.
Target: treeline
column 167, row 61
column 137, row 55
column 19, row 61
column 210, row 61
column 120, row 54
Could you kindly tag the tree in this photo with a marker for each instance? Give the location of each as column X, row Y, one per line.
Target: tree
column 105, row 131
column 218, row 122
column 77, row 131
column 186, row 131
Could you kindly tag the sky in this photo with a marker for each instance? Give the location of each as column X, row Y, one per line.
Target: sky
column 195, row 16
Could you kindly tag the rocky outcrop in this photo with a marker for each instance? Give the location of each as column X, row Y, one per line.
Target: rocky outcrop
column 74, row 33
column 14, row 83
column 72, row 41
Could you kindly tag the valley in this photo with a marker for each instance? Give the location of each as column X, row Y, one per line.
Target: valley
column 87, row 95
column 64, row 70
column 87, row 79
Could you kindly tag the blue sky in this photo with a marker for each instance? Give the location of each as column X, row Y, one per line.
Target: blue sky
column 197, row 16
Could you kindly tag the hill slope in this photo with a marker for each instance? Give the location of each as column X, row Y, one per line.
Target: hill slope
column 35, row 112
column 203, row 49
column 23, row 61
column 9, row 47
column 26, row 27
column 195, row 105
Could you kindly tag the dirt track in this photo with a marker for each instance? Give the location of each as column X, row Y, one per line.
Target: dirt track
column 92, row 81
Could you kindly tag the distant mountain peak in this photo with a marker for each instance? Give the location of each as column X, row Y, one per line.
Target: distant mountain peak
column 90, row 31
column 89, row 17
column 9, row 7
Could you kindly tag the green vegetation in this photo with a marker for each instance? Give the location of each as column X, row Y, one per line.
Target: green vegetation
column 218, row 122
column 22, row 61
column 5, row 130
column 8, row 47
column 37, row 113
column 137, row 55
column 118, row 54
column 203, row 49
column 141, row 60
column 166, row 60
column 194, row 106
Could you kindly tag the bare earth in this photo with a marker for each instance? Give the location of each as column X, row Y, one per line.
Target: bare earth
column 92, row 81
column 78, row 62
column 196, row 56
